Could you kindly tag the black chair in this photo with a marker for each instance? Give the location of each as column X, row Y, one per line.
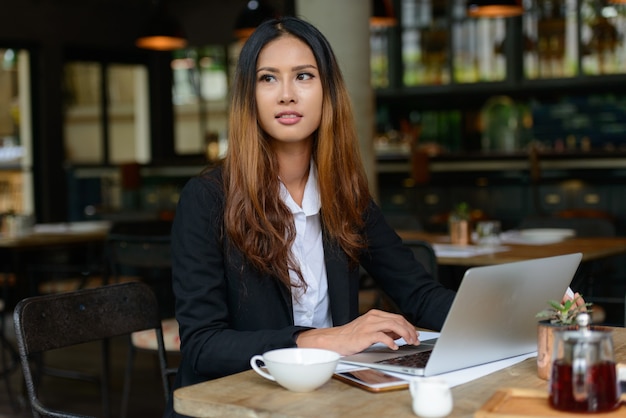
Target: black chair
column 425, row 254
column 49, row 322
column 404, row 222
column 9, row 359
column 141, row 251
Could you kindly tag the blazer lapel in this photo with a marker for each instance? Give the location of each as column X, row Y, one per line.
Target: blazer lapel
column 341, row 288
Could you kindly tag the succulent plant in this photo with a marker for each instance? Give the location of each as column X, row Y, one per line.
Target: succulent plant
column 563, row 313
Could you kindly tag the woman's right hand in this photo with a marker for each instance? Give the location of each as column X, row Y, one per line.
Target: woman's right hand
column 375, row 326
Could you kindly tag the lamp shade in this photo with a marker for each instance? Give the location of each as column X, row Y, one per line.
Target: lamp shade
column 252, row 15
column 163, row 32
column 383, row 14
column 494, row 8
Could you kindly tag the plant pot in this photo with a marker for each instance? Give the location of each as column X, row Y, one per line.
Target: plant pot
column 460, row 232
column 545, row 345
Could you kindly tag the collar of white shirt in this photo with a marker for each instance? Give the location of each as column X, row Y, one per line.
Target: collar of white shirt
column 310, row 201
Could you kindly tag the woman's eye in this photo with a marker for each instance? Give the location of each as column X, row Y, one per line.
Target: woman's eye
column 305, row 76
column 266, row 78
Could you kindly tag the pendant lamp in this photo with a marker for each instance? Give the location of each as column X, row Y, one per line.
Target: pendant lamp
column 382, row 14
column 163, row 31
column 494, row 8
column 252, row 15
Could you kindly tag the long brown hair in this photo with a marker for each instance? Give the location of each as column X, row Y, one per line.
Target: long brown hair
column 256, row 219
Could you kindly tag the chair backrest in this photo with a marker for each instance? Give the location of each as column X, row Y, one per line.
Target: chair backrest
column 404, row 222
column 140, row 244
column 49, row 322
column 425, row 254
column 141, row 250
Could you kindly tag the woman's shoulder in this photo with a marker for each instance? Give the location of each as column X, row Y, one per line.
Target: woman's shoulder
column 209, row 178
column 206, row 185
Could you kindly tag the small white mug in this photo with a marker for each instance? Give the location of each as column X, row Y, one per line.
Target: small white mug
column 432, row 397
column 488, row 233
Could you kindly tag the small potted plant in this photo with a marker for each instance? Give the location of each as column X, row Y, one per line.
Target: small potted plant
column 556, row 315
column 459, row 224
column 563, row 313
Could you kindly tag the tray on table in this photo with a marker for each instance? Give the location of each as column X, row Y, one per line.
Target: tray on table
column 522, row 403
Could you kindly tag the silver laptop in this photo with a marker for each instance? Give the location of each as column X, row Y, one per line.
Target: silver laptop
column 492, row 318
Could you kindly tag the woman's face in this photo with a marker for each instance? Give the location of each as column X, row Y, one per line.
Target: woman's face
column 288, row 90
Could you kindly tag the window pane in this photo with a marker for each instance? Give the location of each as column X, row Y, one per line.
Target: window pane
column 200, row 98
column 127, row 129
column 129, row 139
column 83, row 113
column 9, row 113
column 15, row 132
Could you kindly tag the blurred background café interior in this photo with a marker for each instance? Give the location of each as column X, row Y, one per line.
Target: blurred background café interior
column 517, row 115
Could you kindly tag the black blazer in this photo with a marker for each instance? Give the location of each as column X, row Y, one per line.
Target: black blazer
column 228, row 312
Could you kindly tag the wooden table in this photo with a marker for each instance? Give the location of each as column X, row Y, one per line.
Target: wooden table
column 16, row 251
column 591, row 248
column 47, row 235
column 247, row 394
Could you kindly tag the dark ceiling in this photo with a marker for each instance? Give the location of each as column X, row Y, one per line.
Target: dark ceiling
column 117, row 22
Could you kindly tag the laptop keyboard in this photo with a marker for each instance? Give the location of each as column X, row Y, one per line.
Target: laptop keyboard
column 418, row 360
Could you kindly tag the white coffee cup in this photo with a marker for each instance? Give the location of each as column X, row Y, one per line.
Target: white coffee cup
column 432, row 397
column 297, row 369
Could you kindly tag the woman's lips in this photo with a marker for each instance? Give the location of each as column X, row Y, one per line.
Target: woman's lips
column 288, row 118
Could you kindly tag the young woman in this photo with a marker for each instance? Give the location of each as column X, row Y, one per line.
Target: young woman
column 267, row 246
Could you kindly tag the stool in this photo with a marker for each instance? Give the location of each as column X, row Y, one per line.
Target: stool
column 147, row 340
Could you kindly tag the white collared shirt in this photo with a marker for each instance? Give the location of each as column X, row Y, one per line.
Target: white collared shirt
column 311, row 309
